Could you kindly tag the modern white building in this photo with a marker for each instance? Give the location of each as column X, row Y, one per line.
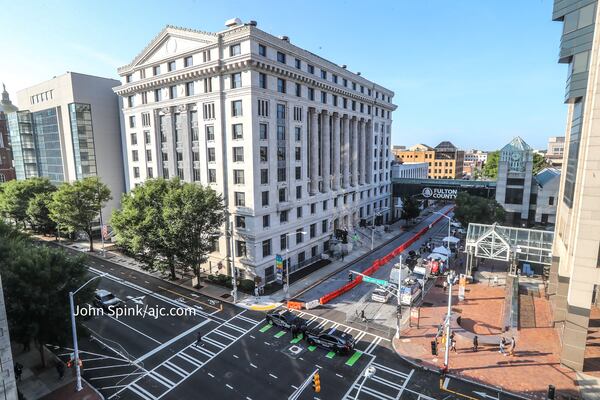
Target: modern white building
column 298, row 146
column 410, row 170
column 68, row 128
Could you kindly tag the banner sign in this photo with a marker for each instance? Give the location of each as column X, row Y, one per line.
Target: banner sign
column 279, row 268
column 439, row 193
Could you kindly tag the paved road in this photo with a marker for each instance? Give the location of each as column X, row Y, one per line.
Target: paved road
column 241, row 357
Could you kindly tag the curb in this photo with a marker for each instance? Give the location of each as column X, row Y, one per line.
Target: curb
column 457, row 377
column 93, row 388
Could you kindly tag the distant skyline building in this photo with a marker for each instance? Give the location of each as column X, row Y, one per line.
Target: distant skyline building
column 555, row 151
column 69, row 129
column 410, row 170
column 7, row 170
column 297, row 145
column 574, row 285
column 445, row 161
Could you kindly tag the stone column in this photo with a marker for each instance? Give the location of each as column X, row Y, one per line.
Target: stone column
column 369, row 158
column 354, row 180
column 325, row 152
column 314, row 152
column 336, row 151
column 362, row 152
column 345, row 152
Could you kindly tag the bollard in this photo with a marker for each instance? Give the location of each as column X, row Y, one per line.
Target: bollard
column 551, row 393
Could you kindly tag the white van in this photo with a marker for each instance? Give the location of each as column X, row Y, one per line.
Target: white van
column 380, row 295
column 409, row 292
column 399, row 273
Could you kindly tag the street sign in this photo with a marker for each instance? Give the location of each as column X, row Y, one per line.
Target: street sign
column 375, row 281
column 279, row 268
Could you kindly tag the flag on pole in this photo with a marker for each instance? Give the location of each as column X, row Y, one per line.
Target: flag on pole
column 105, row 232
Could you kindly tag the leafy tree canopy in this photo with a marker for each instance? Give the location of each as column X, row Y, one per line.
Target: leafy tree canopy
column 15, row 196
column 477, row 209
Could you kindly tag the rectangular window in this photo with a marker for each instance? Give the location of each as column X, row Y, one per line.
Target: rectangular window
column 206, row 56
column 173, row 92
column 210, row 132
column 281, row 85
column 234, row 50
column 212, row 176
column 147, row 137
column 299, row 235
column 266, row 221
column 323, row 74
column 264, row 154
column 334, row 78
column 283, row 242
column 196, row 173
column 207, row 85
column 240, row 248
column 237, row 131
column 240, row 199
column 263, row 131
column 265, row 198
column 238, row 176
column 298, row 173
column 262, row 50
column 280, row 132
column 298, row 64
column 298, row 114
column 281, row 57
column 145, row 119
column 263, row 108
column 195, row 155
column 148, row 155
column 264, row 176
column 334, row 99
column 262, row 80
column 236, row 108
column 298, row 155
column 266, row 248
column 150, row 172
column 238, row 154
column 188, row 61
column 171, row 66
column 298, row 212
column 136, row 172
column 298, row 133
column 283, row 217
column 132, row 121
column 313, row 230
column 282, row 196
column 211, row 154
column 156, row 70
column 281, row 153
column 324, row 97
column 298, row 192
column 298, row 90
column 134, row 155
column 157, row 95
column 281, row 174
column 311, row 69
column 311, row 93
column 189, row 89
column 145, row 98
column 133, row 138
column 236, row 80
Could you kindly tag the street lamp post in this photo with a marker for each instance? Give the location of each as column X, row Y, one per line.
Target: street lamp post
column 78, row 386
column 286, row 288
column 375, row 214
column 233, row 271
column 450, row 279
column 449, row 222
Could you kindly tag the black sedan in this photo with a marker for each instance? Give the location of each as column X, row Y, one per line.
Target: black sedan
column 331, row 339
column 286, row 320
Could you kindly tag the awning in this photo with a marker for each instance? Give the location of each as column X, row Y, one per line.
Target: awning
column 438, row 256
column 442, row 250
column 451, row 239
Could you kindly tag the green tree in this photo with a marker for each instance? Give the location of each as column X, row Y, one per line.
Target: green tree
column 36, row 282
column 140, row 226
column 75, row 206
column 15, row 197
column 410, row 208
column 39, row 214
column 477, row 209
column 490, row 168
column 539, row 163
column 193, row 216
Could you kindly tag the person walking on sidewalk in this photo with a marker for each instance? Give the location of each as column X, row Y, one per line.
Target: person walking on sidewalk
column 452, row 342
column 18, row 371
column 511, row 348
column 199, row 340
column 60, row 369
column 475, row 343
column 502, row 346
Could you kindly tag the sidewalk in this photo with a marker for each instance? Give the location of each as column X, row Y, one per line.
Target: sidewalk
column 43, row 383
column 535, row 363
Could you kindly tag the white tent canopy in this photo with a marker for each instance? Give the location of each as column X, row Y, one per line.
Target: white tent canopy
column 442, row 250
column 451, row 239
column 438, row 256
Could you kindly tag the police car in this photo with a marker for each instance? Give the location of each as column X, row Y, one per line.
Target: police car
column 286, row 320
column 331, row 339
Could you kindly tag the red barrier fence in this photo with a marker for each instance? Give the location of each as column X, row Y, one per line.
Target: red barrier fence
column 379, row 262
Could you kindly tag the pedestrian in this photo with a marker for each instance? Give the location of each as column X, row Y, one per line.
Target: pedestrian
column 475, row 343
column 511, row 348
column 293, row 331
column 350, row 276
column 199, row 340
column 452, row 342
column 18, row 371
column 502, row 346
column 445, row 285
column 256, row 292
column 60, row 369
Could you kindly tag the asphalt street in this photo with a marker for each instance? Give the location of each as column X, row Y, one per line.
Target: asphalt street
column 240, row 356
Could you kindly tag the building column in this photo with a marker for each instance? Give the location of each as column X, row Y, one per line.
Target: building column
column 345, row 152
column 325, row 152
column 314, row 152
column 336, row 151
column 354, row 180
column 369, row 147
column 362, row 152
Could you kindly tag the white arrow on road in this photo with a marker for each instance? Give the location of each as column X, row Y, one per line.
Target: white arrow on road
column 137, row 300
column 485, row 395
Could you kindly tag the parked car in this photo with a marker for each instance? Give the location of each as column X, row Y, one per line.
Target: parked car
column 380, row 295
column 331, row 339
column 286, row 319
column 106, row 300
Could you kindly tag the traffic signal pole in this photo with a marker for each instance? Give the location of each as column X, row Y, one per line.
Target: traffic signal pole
column 298, row 392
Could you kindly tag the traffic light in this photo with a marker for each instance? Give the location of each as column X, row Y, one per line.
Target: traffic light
column 434, row 348
column 316, row 382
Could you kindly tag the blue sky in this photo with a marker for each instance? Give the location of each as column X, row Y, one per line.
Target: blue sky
column 473, row 72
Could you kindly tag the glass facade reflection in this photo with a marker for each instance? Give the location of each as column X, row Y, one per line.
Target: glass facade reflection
column 47, row 140
column 23, row 144
column 83, row 139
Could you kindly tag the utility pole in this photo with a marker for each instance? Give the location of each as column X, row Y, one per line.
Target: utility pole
column 233, row 272
column 450, row 279
column 399, row 306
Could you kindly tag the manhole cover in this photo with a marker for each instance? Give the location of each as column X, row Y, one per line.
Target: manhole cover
column 225, row 296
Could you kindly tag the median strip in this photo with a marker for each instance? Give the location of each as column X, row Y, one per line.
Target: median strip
column 352, row 360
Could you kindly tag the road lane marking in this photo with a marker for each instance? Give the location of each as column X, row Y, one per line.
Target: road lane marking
column 214, row 342
column 312, row 348
column 168, row 343
column 252, row 337
column 224, row 334
column 340, row 376
column 247, row 319
column 273, row 376
column 109, row 366
column 265, row 328
column 132, row 328
column 253, row 366
column 318, row 366
column 234, row 327
column 211, row 375
column 189, row 298
column 297, row 339
column 279, row 334
column 202, row 350
column 114, row 376
column 190, row 359
column 330, row 355
column 179, row 371
column 141, row 392
column 161, row 379
column 235, row 356
column 229, row 386
column 352, row 360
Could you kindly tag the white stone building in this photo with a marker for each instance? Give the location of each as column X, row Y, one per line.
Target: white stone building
column 416, row 170
column 295, row 143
